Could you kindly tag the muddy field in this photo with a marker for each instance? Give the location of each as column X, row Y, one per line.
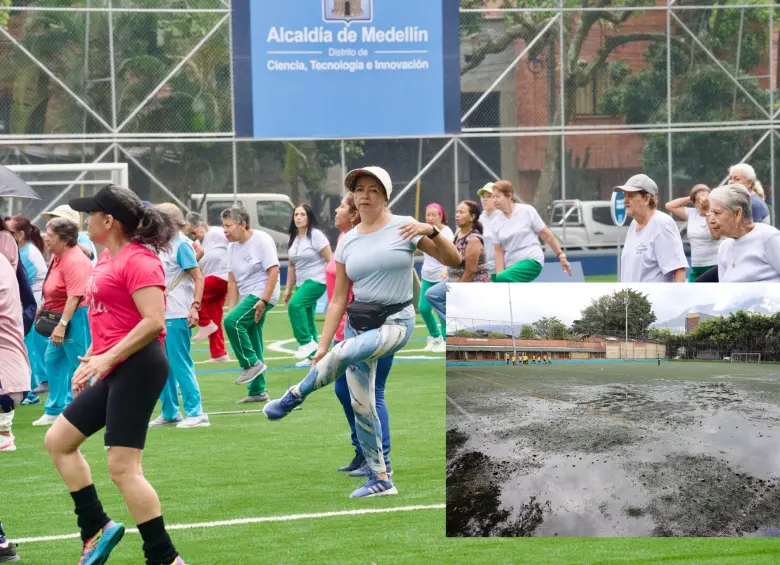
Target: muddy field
column 626, row 449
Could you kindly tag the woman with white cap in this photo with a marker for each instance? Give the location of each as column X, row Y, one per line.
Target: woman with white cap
column 751, row 251
column 487, row 218
column 653, row 251
column 516, row 232
column 704, row 248
column 376, row 258
column 85, row 244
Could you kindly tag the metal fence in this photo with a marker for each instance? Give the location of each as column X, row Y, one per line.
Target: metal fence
column 563, row 101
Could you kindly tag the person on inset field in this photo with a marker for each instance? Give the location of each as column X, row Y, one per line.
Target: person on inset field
column 15, row 367
column 347, row 217
column 309, row 254
column 127, row 368
column 516, row 233
column 744, row 174
column 704, row 248
column 751, row 251
column 430, row 275
column 63, row 296
column 213, row 265
column 653, row 250
column 377, row 256
column 253, row 289
column 184, row 291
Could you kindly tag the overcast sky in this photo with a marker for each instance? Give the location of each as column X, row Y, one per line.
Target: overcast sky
column 565, row 301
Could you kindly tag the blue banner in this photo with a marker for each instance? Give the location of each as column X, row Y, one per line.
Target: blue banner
column 341, row 68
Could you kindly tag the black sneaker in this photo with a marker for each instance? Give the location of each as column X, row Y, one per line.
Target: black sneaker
column 357, row 462
column 8, row 554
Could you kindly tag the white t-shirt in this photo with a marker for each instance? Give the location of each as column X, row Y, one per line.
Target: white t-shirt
column 249, row 263
column 431, row 268
column 704, row 249
column 519, row 234
column 487, row 221
column 653, row 254
column 214, row 261
column 179, row 258
column 754, row 257
column 305, row 254
column 380, row 265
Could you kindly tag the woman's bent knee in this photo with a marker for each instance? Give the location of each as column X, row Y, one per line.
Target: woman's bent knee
column 123, row 463
column 63, row 438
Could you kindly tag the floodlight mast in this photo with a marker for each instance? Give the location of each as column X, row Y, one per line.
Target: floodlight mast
column 511, row 320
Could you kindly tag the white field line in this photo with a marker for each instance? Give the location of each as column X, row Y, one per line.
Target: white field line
column 258, row 520
column 459, row 408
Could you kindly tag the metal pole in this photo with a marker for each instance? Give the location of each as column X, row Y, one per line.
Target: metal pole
column 669, row 193
column 772, row 86
column 234, row 151
column 739, row 54
column 419, row 180
column 455, row 174
column 561, row 86
column 511, row 320
column 86, row 83
column 343, row 167
column 112, row 64
column 626, row 291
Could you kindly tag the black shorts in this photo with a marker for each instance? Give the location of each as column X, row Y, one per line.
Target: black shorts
column 123, row 401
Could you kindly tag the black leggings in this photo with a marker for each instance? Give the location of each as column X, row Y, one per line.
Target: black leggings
column 124, row 400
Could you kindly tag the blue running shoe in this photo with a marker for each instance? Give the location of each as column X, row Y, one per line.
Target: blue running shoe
column 374, row 487
column 99, row 547
column 365, row 470
column 30, row 399
column 278, row 409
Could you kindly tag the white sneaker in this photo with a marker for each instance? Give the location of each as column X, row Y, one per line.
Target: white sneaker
column 45, row 420
column 305, row 350
column 7, row 444
column 201, row 421
column 439, row 345
column 161, row 421
column 205, row 332
column 429, row 345
column 304, row 363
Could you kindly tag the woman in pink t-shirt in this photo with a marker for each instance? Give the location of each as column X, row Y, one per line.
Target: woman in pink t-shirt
column 347, row 217
column 127, row 368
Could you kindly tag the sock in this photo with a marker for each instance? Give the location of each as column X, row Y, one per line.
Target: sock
column 91, row 517
column 2, row 533
column 158, row 547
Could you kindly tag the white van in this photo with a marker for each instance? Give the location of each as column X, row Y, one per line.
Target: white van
column 271, row 213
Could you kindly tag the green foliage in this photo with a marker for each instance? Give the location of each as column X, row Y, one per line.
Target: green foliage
column 551, row 328
column 606, row 315
column 527, row 332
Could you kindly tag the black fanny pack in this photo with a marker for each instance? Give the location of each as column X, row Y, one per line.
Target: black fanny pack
column 364, row 316
column 46, row 322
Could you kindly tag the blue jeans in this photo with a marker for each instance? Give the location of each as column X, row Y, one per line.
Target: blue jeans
column 437, row 298
column 62, row 362
column 181, row 372
column 383, row 367
column 359, row 357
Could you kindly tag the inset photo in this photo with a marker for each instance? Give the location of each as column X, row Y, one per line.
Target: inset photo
column 613, row 410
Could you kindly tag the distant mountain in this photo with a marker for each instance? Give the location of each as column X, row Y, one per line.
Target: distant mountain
column 753, row 305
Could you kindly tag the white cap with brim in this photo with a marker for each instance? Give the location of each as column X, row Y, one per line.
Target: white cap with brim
column 637, row 183
column 488, row 188
column 377, row 172
column 62, row 211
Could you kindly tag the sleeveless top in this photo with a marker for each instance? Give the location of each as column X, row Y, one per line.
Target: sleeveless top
column 482, row 273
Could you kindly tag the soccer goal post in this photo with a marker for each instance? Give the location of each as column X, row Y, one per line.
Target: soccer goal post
column 56, row 183
column 746, row 358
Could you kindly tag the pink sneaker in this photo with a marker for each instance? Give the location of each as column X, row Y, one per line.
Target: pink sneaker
column 221, row 359
column 7, row 443
column 206, row 331
column 179, row 561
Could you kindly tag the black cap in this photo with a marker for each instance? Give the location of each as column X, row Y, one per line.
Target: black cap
column 106, row 201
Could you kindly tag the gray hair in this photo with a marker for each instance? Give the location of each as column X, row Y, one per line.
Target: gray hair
column 237, row 214
column 747, row 171
column 196, row 220
column 734, row 197
column 66, row 230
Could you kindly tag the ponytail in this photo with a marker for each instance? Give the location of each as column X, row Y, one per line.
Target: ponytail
column 156, row 229
column 31, row 232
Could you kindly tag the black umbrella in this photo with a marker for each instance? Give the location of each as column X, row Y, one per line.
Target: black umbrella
column 11, row 186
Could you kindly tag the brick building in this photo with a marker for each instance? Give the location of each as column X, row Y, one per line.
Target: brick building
column 693, row 320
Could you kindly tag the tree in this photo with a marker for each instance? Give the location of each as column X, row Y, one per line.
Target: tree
column 606, row 315
column 527, row 332
column 551, row 328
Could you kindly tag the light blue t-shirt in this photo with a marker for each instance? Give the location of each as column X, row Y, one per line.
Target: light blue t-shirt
column 380, row 264
column 179, row 258
column 35, row 265
column 86, row 242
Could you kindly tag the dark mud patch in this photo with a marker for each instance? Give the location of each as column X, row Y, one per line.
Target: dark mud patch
column 455, row 440
column 712, row 396
column 703, row 496
column 566, row 436
column 629, row 403
column 474, row 500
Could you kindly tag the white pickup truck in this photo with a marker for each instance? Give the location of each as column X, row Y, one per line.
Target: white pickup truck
column 271, row 213
column 589, row 224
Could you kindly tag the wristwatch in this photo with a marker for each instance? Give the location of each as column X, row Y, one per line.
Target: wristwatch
column 64, row 323
column 435, row 233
